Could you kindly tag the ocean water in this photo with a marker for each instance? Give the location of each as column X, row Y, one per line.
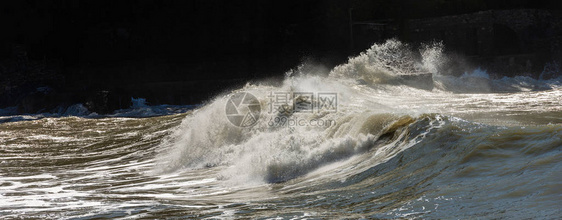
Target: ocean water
column 357, row 141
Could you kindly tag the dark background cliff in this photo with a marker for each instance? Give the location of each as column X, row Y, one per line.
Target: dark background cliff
column 102, row 53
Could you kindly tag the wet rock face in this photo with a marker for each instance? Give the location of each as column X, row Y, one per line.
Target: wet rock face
column 105, row 101
column 42, row 99
column 33, row 103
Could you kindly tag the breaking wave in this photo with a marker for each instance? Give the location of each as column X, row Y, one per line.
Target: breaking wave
column 393, row 133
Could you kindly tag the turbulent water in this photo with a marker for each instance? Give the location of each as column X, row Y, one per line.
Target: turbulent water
column 452, row 146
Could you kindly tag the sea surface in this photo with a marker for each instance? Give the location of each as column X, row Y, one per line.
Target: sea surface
column 451, row 146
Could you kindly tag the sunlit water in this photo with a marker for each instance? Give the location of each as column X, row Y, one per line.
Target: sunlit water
column 489, row 149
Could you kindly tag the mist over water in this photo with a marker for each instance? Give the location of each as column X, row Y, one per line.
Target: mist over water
column 409, row 138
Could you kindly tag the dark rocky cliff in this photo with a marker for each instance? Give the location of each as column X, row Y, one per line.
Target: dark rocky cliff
column 170, row 52
column 102, row 53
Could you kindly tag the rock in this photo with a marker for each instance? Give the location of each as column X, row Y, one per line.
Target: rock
column 41, row 100
column 106, row 101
